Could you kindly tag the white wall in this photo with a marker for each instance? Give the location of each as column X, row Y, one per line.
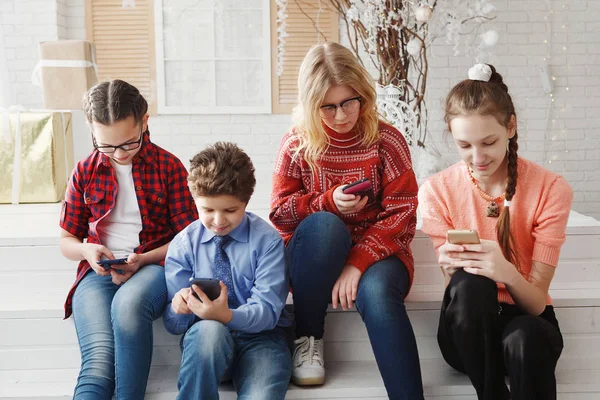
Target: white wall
column 569, row 146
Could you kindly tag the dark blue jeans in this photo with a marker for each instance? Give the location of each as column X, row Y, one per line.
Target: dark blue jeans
column 316, row 254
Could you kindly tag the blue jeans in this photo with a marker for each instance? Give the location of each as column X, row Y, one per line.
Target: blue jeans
column 259, row 364
column 317, row 254
column 114, row 329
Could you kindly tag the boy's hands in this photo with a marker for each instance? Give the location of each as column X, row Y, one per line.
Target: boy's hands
column 216, row 310
column 179, row 303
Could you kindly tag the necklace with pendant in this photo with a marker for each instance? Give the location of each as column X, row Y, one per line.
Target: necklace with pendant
column 493, row 209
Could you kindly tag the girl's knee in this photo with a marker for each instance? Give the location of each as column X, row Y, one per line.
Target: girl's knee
column 472, row 288
column 324, row 224
column 530, row 336
column 386, row 280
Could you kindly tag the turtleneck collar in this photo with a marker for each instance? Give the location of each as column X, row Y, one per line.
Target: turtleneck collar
column 343, row 140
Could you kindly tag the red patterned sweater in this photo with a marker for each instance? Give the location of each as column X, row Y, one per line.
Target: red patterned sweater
column 382, row 228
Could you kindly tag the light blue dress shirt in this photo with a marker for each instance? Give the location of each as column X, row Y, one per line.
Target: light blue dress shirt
column 258, row 268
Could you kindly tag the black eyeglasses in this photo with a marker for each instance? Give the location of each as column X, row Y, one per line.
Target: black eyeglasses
column 125, row 146
column 349, row 106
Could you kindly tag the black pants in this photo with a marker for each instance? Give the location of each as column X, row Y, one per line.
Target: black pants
column 486, row 340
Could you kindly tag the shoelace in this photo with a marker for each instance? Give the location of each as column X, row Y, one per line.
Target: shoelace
column 308, row 352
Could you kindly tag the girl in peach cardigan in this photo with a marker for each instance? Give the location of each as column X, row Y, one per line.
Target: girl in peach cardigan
column 497, row 316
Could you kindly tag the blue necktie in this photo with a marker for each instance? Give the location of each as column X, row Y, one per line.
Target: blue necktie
column 222, row 269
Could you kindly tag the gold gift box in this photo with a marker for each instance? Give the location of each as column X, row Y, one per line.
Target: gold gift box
column 36, row 156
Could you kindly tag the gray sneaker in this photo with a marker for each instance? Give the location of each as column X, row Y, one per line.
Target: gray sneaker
column 309, row 364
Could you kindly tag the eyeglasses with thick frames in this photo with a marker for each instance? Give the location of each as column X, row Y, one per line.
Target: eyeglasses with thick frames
column 125, row 146
column 349, row 106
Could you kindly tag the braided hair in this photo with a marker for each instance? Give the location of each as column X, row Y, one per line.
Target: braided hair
column 491, row 98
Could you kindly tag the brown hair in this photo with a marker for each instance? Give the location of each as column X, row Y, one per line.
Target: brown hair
column 222, row 169
column 471, row 97
column 109, row 102
column 324, row 66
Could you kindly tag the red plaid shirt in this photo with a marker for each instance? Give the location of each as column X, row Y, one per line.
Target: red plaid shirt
column 160, row 181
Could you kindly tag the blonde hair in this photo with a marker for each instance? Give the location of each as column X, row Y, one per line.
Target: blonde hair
column 324, row 66
column 471, row 97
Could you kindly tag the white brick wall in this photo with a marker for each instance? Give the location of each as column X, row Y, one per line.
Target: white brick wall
column 25, row 24
column 569, row 146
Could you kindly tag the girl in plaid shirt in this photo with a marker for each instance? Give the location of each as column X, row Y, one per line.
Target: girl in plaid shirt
column 128, row 198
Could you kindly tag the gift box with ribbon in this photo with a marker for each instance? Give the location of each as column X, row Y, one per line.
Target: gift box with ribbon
column 36, row 155
column 66, row 70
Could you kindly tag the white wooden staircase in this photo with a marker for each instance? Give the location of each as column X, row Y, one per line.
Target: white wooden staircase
column 39, row 355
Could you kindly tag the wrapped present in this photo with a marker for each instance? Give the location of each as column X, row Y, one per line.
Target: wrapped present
column 36, row 156
column 67, row 69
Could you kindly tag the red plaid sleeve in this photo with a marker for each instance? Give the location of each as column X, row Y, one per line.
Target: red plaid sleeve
column 182, row 208
column 75, row 213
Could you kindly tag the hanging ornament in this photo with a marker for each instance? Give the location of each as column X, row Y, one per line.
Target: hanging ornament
column 422, row 14
column 414, row 47
column 488, row 8
column 490, row 38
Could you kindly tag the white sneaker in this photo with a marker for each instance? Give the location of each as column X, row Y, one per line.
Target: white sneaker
column 309, row 365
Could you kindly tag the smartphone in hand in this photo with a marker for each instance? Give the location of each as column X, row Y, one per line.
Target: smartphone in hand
column 108, row 264
column 210, row 286
column 463, row 236
column 359, row 188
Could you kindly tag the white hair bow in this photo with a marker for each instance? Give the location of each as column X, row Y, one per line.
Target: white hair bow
column 480, row 72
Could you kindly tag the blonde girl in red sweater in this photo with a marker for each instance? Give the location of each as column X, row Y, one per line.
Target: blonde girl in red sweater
column 496, row 316
column 347, row 248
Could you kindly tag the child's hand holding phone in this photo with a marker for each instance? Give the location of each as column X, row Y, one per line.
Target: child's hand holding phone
column 482, row 257
column 202, row 306
column 353, row 197
column 92, row 253
column 448, row 252
column 359, row 188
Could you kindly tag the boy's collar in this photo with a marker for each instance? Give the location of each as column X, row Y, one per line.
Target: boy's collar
column 146, row 153
column 240, row 233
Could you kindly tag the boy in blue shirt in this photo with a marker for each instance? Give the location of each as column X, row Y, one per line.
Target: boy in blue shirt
column 239, row 335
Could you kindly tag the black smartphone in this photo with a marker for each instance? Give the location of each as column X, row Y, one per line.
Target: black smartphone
column 210, row 286
column 107, row 263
